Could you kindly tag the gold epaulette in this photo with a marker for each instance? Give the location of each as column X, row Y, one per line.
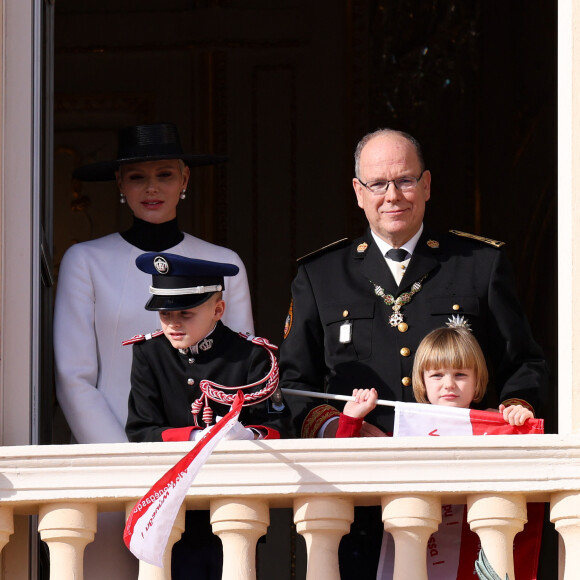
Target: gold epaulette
column 334, row 245
column 494, row 243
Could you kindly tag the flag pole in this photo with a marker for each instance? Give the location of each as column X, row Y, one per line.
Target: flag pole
column 331, row 397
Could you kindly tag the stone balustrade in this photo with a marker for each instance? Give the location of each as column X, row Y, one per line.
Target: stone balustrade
column 322, row 480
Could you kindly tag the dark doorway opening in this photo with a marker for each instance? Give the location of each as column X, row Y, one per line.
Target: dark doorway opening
column 286, row 89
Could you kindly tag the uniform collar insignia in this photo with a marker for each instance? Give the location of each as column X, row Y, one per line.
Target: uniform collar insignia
column 205, row 344
column 362, row 247
column 433, row 243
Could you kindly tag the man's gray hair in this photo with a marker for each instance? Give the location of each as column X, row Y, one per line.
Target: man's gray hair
column 384, row 132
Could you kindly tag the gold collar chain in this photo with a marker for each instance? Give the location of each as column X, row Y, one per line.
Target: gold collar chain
column 397, row 303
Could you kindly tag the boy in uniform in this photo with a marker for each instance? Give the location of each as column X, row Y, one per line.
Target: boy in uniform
column 185, row 376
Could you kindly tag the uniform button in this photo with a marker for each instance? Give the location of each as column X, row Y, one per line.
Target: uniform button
column 456, row 307
column 191, row 361
column 406, row 381
column 345, row 313
column 403, row 327
column 405, row 351
column 190, row 381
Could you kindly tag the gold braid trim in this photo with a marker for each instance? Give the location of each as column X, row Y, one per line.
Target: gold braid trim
column 316, row 418
column 494, row 243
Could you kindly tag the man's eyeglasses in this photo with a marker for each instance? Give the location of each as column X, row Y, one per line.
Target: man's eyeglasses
column 401, row 183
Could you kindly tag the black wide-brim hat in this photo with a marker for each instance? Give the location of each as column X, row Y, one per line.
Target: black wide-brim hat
column 144, row 143
column 181, row 283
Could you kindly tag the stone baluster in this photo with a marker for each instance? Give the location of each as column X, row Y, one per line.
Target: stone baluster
column 239, row 523
column 497, row 519
column 6, row 525
column 150, row 572
column 67, row 528
column 565, row 514
column 411, row 520
column 322, row 521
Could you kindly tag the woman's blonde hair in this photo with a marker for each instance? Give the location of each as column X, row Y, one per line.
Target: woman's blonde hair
column 449, row 347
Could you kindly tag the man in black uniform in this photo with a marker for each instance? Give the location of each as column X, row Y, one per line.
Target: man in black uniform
column 360, row 308
column 358, row 314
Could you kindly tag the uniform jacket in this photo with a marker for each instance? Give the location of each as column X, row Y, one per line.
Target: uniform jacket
column 100, row 302
column 165, row 382
column 464, row 277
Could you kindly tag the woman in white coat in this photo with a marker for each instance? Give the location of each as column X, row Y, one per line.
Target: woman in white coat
column 100, row 297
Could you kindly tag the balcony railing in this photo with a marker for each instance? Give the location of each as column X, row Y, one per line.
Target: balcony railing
column 322, row 480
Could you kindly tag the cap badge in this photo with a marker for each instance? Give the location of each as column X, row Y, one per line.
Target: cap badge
column 161, row 265
column 205, row 344
column 433, row 243
column 362, row 247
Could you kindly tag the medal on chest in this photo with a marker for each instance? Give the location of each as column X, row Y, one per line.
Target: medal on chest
column 396, row 319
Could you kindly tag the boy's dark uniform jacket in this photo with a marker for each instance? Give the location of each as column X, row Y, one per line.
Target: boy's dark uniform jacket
column 165, row 382
column 464, row 277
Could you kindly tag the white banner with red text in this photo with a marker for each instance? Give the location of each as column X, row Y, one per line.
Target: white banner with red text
column 453, row 548
column 149, row 524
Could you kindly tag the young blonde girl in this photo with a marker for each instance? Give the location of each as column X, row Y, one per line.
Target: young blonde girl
column 449, row 369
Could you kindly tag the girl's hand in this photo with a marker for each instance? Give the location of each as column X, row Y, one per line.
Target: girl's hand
column 365, row 401
column 515, row 414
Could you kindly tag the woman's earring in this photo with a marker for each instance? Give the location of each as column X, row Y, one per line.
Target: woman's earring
column 182, row 194
column 122, row 198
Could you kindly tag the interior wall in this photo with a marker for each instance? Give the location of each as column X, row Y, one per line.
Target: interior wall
column 263, row 83
column 285, row 89
column 266, row 83
column 475, row 82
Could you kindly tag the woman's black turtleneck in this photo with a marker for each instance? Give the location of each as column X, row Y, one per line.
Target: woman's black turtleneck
column 153, row 237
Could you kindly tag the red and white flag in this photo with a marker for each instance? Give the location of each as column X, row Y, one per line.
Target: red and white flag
column 149, row 524
column 435, row 420
column 453, row 548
